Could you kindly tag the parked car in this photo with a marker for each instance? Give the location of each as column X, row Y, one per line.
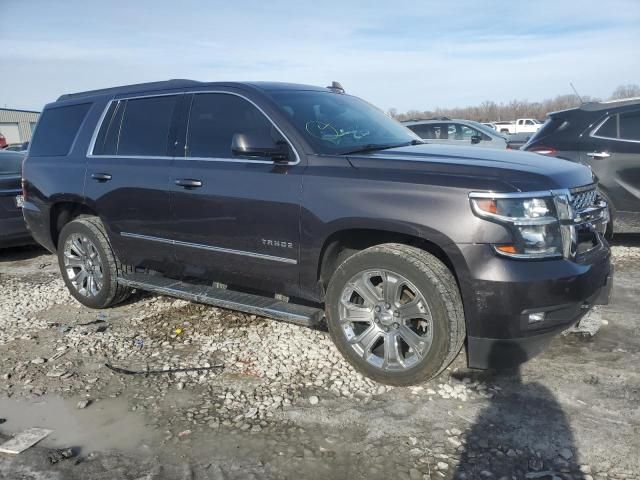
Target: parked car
column 521, row 125
column 301, row 202
column 606, row 137
column 3, row 141
column 13, row 230
column 457, row 132
column 490, row 125
column 17, row 147
column 518, row 140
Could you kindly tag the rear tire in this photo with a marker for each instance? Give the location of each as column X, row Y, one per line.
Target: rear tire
column 88, row 264
column 395, row 314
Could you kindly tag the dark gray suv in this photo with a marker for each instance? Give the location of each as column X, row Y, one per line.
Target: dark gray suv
column 308, row 205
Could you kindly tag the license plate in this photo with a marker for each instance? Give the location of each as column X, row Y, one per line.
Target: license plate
column 19, row 201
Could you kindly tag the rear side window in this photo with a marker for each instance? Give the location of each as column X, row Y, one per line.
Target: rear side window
column 215, row 118
column 630, row 126
column 552, row 125
column 609, row 129
column 145, row 126
column 136, row 127
column 57, row 130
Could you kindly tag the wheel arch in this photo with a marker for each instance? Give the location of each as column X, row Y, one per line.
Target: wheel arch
column 63, row 212
column 342, row 243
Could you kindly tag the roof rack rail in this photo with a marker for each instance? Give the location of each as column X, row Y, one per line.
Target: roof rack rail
column 173, row 83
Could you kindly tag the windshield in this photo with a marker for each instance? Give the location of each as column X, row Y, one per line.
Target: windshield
column 335, row 123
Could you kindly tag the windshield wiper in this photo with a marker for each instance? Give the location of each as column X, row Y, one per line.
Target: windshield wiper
column 372, row 147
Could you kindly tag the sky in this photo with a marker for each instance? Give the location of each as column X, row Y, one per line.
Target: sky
column 396, row 54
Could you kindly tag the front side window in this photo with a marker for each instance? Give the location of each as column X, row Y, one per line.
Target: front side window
column 630, row 126
column 216, row 117
column 336, row 123
column 57, row 130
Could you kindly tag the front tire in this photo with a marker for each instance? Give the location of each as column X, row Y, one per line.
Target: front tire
column 88, row 265
column 395, row 314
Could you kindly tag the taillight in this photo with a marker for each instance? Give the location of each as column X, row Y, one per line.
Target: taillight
column 543, row 150
column 23, row 184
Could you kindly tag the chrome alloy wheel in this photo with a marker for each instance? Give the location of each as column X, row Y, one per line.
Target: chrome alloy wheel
column 386, row 320
column 83, row 265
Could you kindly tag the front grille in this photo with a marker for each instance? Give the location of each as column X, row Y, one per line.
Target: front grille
column 583, row 197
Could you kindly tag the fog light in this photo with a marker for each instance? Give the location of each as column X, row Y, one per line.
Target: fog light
column 536, row 317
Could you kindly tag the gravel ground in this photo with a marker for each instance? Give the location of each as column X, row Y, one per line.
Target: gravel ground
column 255, row 398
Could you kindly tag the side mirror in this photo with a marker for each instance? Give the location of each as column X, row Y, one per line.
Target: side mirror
column 476, row 139
column 259, row 146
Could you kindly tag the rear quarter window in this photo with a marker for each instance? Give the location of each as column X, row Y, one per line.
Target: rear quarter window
column 57, row 129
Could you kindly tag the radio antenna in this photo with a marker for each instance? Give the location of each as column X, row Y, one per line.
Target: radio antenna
column 577, row 94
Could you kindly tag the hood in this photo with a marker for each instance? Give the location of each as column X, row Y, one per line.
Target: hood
column 524, row 171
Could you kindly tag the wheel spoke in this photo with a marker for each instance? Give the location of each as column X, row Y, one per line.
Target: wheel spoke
column 391, row 288
column 417, row 343
column 366, row 290
column 79, row 279
column 356, row 313
column 90, row 284
column 392, row 358
column 366, row 339
column 414, row 309
column 71, row 260
column 78, row 246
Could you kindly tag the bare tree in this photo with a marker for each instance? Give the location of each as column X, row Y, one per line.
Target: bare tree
column 626, row 91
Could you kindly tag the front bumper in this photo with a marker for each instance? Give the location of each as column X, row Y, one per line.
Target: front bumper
column 500, row 293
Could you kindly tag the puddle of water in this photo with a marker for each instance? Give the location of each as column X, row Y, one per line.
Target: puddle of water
column 103, row 425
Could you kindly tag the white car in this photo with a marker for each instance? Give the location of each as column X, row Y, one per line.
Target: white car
column 521, row 125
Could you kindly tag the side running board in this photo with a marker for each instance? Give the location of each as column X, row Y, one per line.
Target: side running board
column 229, row 299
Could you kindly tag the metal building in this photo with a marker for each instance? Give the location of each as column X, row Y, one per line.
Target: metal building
column 17, row 125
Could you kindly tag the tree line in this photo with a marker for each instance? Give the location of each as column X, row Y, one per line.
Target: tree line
column 489, row 111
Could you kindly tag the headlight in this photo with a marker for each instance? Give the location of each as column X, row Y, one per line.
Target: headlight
column 533, row 222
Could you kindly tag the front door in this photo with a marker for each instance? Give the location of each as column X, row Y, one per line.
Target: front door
column 236, row 219
column 613, row 152
column 127, row 178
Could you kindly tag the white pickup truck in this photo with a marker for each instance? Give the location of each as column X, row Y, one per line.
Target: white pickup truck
column 521, row 125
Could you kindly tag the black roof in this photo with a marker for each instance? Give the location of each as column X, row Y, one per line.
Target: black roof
column 601, row 106
column 623, row 102
column 185, row 83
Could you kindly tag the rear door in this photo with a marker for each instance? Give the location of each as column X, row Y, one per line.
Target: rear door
column 128, row 172
column 237, row 222
column 612, row 149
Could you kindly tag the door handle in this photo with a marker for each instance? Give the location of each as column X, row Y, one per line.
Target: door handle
column 101, row 177
column 188, row 183
column 598, row 154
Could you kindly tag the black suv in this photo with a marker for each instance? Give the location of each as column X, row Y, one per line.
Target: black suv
column 13, row 231
column 299, row 202
column 606, row 137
